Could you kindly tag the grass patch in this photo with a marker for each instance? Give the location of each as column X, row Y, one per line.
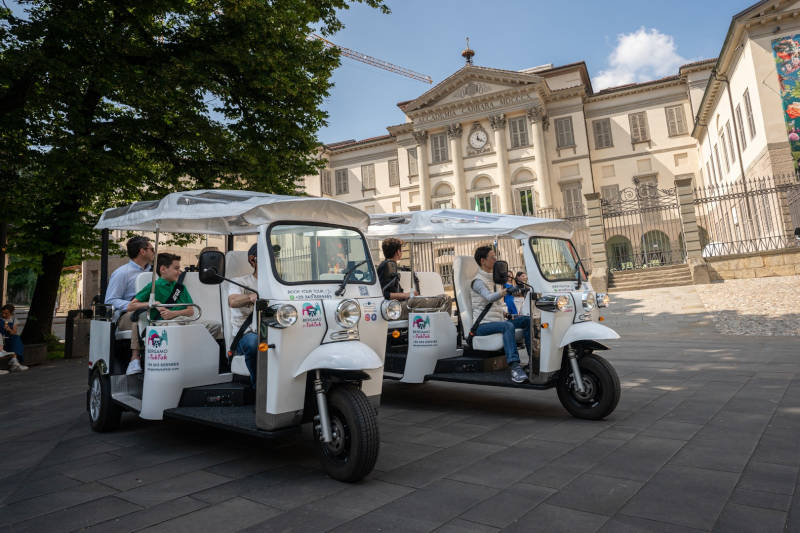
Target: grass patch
column 55, row 347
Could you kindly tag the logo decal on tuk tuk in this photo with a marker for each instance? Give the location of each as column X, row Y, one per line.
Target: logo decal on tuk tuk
column 421, row 332
column 312, row 314
column 155, row 340
column 421, row 324
column 157, row 352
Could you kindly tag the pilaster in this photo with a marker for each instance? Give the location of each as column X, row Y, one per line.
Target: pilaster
column 597, row 242
column 454, row 133
column 691, row 232
column 538, row 120
column 421, row 137
column 498, row 123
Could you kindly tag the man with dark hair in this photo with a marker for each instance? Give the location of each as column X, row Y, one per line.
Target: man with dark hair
column 393, row 251
column 241, row 302
column 168, row 267
column 122, row 284
column 494, row 320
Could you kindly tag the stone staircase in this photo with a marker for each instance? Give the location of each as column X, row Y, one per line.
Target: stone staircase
column 649, row 278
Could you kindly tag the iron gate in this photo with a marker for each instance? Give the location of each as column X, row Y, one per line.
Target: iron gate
column 643, row 228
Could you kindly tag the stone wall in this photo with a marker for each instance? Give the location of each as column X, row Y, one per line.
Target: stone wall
column 759, row 265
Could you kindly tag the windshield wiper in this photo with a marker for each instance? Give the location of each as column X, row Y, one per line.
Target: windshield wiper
column 578, row 266
column 347, row 275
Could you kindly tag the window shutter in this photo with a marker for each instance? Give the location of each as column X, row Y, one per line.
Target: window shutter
column 749, row 110
column 515, row 196
column 730, row 140
column 740, row 123
column 412, row 162
column 394, row 173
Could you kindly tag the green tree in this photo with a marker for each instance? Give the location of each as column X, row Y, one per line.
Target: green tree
column 104, row 102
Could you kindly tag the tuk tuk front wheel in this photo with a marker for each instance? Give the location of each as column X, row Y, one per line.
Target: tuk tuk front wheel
column 601, row 388
column 104, row 414
column 352, row 452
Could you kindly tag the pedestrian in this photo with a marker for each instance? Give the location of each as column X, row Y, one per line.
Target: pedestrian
column 11, row 340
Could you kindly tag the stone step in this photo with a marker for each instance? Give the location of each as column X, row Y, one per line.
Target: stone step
column 650, row 281
column 650, row 274
column 652, row 271
column 639, row 287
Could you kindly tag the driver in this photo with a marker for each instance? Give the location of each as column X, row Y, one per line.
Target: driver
column 241, row 303
column 493, row 320
column 168, row 268
column 392, row 251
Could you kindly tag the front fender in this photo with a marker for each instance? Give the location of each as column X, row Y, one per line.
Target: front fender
column 587, row 331
column 346, row 355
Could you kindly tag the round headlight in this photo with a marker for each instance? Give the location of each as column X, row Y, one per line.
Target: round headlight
column 562, row 302
column 285, row 315
column 588, row 301
column 391, row 309
column 348, row 313
column 602, row 299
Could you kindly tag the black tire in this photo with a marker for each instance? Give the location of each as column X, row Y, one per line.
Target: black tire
column 104, row 414
column 354, row 450
column 603, row 389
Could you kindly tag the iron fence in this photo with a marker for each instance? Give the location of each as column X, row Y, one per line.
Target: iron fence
column 748, row 216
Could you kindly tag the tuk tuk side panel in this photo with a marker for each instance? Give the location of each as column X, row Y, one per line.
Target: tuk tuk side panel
column 373, row 333
column 431, row 336
column 176, row 357
column 99, row 342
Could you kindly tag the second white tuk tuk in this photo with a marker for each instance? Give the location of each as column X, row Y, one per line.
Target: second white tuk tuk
column 564, row 310
column 319, row 317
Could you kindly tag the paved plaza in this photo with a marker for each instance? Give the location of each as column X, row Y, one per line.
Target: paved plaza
column 706, row 437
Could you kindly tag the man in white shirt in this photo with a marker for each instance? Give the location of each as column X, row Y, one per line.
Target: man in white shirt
column 241, row 302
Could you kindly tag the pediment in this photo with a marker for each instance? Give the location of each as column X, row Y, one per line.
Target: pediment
column 471, row 82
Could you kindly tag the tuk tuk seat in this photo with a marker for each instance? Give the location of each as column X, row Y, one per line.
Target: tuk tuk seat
column 464, row 271
column 235, row 265
column 430, row 284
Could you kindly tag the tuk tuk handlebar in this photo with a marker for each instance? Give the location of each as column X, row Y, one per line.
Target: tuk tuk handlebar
column 185, row 318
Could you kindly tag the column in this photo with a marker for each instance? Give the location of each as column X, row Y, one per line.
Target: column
column 424, row 176
column 691, row 233
column 454, row 132
column 498, row 123
column 538, row 122
column 597, row 242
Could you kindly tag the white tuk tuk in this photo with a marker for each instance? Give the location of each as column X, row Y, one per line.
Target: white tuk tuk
column 564, row 309
column 321, row 331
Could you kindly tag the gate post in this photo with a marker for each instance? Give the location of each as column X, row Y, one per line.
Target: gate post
column 597, row 241
column 691, row 233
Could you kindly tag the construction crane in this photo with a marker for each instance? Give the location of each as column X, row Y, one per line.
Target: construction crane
column 375, row 62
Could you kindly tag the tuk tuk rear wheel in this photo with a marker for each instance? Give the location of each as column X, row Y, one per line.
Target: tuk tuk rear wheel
column 601, row 384
column 352, row 453
column 104, row 414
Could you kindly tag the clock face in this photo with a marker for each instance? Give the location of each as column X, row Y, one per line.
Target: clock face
column 477, row 139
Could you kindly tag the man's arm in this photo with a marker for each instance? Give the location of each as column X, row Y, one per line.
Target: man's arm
column 480, row 287
column 114, row 292
column 241, row 300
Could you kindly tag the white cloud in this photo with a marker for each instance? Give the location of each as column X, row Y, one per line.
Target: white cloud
column 640, row 56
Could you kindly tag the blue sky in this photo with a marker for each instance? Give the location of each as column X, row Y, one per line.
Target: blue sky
column 620, row 41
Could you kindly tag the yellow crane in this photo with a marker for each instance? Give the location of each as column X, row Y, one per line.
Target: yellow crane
column 374, row 61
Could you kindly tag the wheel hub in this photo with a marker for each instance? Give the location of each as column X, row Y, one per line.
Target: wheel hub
column 94, row 399
column 588, row 387
column 336, row 445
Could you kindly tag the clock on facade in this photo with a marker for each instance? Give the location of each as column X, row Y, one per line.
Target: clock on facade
column 478, row 139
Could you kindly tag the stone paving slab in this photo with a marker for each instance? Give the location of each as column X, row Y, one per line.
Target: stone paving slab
column 706, row 438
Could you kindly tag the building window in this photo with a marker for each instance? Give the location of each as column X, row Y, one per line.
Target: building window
column 525, row 202
column 638, row 123
column 394, row 173
column 602, row 133
column 446, row 272
column 395, row 207
column 608, row 171
column 449, row 251
column 724, row 150
column 564, row 136
column 740, row 123
column 325, row 175
column 730, row 140
column 439, row 148
column 719, row 165
column 611, row 197
column 483, row 203
column 342, row 187
column 519, row 132
column 443, row 204
column 412, row 162
column 368, row 177
column 573, row 203
column 676, row 122
column 749, row 111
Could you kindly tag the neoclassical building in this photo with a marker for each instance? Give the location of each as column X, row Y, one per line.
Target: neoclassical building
column 537, row 140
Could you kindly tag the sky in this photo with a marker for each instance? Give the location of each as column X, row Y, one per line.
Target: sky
column 620, row 41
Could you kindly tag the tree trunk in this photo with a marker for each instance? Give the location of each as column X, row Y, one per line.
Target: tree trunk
column 43, row 304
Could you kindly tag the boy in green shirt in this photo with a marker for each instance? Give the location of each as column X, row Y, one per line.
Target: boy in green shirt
column 168, row 267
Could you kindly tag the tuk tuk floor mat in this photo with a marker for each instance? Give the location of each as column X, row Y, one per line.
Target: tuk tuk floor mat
column 239, row 418
column 497, row 378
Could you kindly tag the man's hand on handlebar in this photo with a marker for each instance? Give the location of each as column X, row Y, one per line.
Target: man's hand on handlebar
column 513, row 291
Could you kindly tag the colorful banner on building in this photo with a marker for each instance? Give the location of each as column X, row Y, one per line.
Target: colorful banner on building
column 787, row 63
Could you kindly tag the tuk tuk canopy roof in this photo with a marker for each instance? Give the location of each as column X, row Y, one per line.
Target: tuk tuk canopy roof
column 227, row 212
column 450, row 224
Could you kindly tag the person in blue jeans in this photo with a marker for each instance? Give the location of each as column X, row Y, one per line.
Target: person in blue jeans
column 484, row 291
column 241, row 302
column 11, row 339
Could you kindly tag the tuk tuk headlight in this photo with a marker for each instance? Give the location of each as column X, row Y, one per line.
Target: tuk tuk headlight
column 602, row 299
column 283, row 315
column 391, row 309
column 348, row 313
column 552, row 303
column 588, row 301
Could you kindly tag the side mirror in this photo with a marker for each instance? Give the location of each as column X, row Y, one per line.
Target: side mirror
column 211, row 266
column 391, row 269
column 797, row 233
column 500, row 272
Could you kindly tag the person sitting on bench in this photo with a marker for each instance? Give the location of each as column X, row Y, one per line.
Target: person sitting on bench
column 493, row 320
column 168, row 290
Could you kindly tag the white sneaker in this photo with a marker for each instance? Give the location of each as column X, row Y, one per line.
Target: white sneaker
column 134, row 367
column 15, row 366
column 3, row 372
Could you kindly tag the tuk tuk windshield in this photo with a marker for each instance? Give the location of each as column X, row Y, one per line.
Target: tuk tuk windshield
column 556, row 258
column 310, row 253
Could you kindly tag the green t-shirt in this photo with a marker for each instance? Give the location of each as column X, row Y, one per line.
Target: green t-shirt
column 164, row 290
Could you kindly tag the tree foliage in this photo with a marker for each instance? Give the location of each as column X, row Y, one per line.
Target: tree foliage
column 104, row 103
